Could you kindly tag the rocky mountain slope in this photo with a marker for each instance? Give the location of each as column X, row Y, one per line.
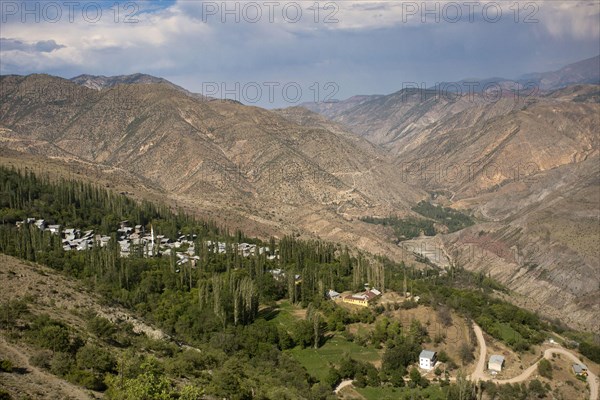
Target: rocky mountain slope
column 585, row 71
column 469, row 146
column 210, row 155
column 542, row 239
column 64, row 299
column 527, row 167
column 385, row 119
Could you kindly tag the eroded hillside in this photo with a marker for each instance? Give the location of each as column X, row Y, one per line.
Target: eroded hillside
column 212, row 155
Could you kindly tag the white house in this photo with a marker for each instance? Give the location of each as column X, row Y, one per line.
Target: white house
column 427, row 359
column 54, row 229
column 496, row 363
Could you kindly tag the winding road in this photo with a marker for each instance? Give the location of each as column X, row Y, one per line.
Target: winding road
column 479, row 373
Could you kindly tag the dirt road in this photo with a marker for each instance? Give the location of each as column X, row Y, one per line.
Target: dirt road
column 479, row 373
column 343, row 384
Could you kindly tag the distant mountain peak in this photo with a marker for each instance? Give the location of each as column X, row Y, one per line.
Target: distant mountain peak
column 582, row 72
column 99, row 82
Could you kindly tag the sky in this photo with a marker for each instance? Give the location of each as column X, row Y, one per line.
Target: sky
column 280, row 53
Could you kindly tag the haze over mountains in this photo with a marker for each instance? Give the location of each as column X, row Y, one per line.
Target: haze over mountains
column 526, row 167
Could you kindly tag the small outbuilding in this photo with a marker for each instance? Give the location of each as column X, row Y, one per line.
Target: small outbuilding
column 496, row 363
column 333, row 295
column 580, row 370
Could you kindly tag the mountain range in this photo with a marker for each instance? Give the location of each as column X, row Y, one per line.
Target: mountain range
column 525, row 166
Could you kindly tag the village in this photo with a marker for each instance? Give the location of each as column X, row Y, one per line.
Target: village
column 136, row 239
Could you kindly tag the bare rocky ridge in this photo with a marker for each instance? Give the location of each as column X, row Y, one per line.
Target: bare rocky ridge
column 579, row 73
column 99, row 82
column 585, row 71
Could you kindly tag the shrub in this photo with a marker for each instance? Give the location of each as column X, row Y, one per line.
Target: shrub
column 61, row 364
column 466, row 353
column 41, row 359
column 445, row 315
column 87, row 379
column 11, row 311
column 545, row 368
column 101, row 327
column 333, row 378
column 415, row 375
column 94, row 358
column 443, row 356
column 590, row 351
column 536, row 388
column 191, row 393
column 408, row 304
column 49, row 334
column 6, row 366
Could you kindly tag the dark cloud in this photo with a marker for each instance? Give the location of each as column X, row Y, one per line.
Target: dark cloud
column 47, row 46
column 42, row 46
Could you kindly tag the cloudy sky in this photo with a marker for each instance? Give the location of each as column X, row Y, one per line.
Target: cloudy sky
column 267, row 52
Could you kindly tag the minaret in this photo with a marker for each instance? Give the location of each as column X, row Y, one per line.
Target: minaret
column 152, row 238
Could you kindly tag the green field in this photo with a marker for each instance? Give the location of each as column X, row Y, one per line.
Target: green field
column 317, row 361
column 391, row 393
column 507, row 333
column 284, row 316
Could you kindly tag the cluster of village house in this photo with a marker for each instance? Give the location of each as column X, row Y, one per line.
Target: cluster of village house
column 428, row 358
column 150, row 244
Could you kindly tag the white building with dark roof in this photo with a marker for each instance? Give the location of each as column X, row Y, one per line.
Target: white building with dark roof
column 427, row 359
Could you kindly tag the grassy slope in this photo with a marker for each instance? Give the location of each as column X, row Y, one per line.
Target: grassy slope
column 317, row 361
